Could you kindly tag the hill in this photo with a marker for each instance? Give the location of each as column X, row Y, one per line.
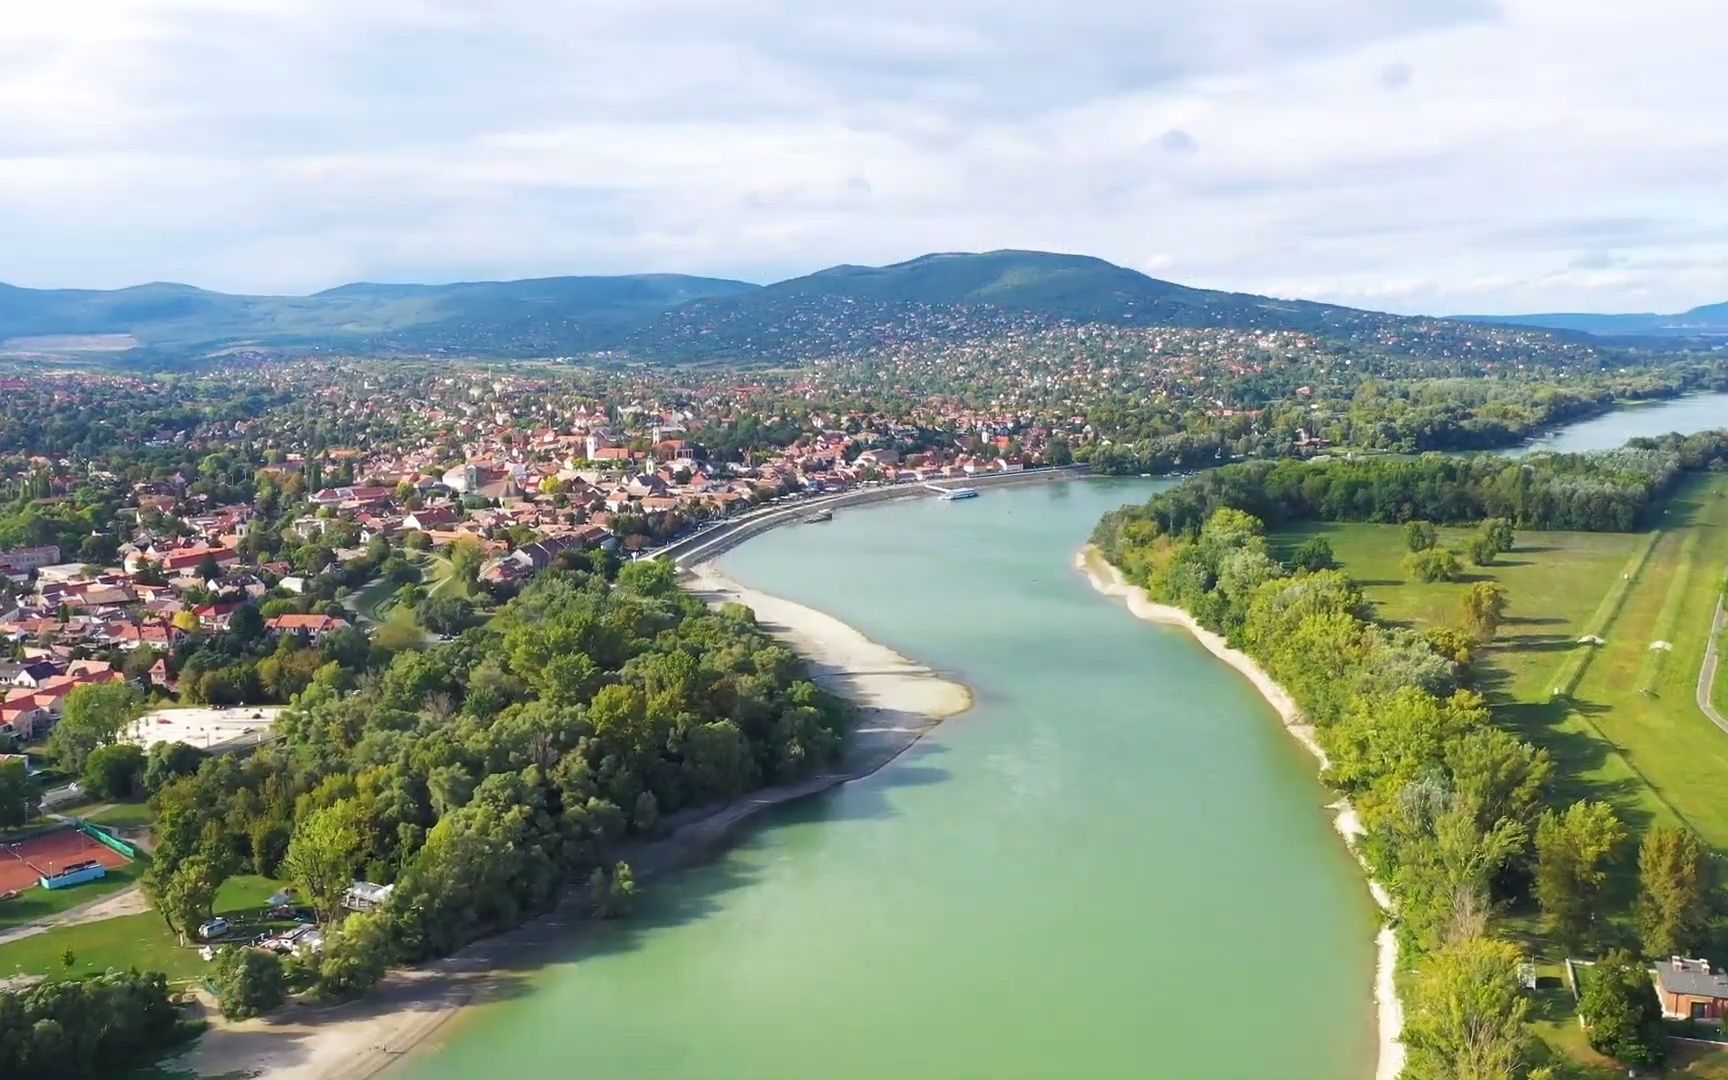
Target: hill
column 671, row 317
column 1710, row 320
column 535, row 316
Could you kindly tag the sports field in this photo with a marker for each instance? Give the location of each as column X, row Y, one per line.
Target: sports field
column 24, row 862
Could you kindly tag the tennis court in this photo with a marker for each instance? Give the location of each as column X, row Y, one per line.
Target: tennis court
column 22, row 863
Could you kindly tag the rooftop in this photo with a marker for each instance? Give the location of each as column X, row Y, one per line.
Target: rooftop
column 1679, row 975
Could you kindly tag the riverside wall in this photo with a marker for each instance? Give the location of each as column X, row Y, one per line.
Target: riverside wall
column 695, row 549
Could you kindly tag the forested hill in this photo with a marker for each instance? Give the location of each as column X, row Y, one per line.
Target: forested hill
column 1708, row 321
column 669, row 317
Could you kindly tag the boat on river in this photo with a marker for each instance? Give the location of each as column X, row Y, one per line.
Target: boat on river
column 952, row 494
column 818, row 517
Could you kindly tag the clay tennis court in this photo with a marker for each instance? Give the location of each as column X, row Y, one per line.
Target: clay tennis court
column 23, row 862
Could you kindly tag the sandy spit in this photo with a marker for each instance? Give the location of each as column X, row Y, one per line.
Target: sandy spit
column 898, row 701
column 1390, row 1011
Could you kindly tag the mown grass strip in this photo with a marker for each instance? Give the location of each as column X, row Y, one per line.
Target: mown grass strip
column 1668, row 619
column 1572, row 668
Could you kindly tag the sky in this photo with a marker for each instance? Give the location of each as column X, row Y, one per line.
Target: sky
column 1440, row 156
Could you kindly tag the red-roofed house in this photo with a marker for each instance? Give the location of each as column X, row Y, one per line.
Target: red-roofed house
column 311, row 627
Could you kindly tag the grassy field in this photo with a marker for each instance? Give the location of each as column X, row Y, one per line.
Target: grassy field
column 367, row 601
column 1630, row 730
column 1554, row 581
column 127, row 815
column 1626, row 727
column 141, row 941
column 1641, row 700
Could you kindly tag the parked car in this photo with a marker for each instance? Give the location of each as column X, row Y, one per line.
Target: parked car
column 214, row 928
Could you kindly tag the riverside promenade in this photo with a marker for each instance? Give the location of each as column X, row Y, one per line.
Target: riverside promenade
column 688, row 551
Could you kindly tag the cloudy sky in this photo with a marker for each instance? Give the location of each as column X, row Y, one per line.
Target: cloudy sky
column 1413, row 155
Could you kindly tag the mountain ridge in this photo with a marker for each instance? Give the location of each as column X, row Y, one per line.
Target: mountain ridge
column 688, row 317
column 1704, row 320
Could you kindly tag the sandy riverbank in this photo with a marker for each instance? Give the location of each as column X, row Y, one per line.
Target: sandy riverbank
column 1390, row 1011
column 898, row 700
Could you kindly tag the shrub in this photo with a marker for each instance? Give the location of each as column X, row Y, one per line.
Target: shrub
column 1433, row 564
column 249, row 982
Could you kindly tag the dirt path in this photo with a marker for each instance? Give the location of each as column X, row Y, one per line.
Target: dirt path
column 128, row 901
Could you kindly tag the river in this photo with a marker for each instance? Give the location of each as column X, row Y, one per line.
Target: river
column 1115, row 865
column 1697, row 412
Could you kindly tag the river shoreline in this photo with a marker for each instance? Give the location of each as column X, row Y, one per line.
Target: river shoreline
column 897, row 702
column 1108, row 580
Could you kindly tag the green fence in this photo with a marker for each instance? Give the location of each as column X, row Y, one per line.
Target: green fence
column 101, row 836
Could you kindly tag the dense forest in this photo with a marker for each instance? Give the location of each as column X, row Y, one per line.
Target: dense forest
column 98, row 1026
column 1603, row 491
column 481, row 776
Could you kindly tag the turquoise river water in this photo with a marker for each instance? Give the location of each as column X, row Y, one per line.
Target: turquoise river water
column 1697, row 412
column 1115, row 865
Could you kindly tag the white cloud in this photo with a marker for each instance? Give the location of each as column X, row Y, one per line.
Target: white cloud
column 1440, row 155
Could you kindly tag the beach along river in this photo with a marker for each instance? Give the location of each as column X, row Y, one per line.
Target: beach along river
column 1115, row 865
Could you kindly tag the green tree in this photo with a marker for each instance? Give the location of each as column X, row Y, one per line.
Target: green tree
column 399, row 632
column 1420, row 535
column 1314, row 553
column 185, row 896
column 1467, row 1013
column 1433, row 564
column 446, row 614
column 1484, row 609
column 19, row 794
column 1573, row 849
column 1499, row 530
column 249, row 982
column 115, row 771
column 1482, row 549
column 356, row 954
column 323, row 855
column 167, row 761
column 1621, row 1013
column 613, row 892
column 466, row 556
column 93, row 715
column 649, row 577
column 1674, row 891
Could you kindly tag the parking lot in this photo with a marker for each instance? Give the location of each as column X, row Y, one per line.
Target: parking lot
column 207, row 728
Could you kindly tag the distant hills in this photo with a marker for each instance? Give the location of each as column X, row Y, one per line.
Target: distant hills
column 676, row 317
column 1710, row 320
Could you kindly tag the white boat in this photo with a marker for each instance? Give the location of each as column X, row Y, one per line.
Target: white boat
column 959, row 493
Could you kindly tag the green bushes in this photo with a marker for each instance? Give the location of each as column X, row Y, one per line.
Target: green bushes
column 92, row 1027
column 249, row 982
column 1433, row 564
